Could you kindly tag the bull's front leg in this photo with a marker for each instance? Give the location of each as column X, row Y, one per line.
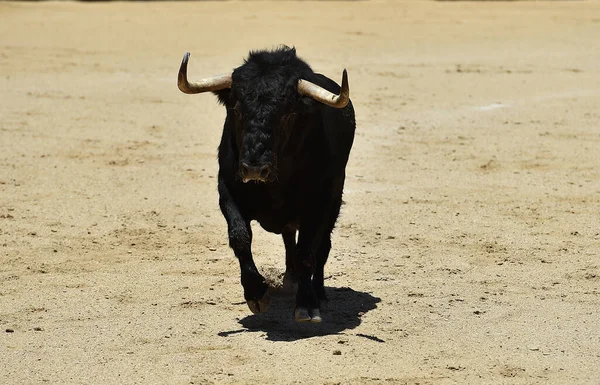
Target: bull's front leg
column 312, row 250
column 290, row 280
column 240, row 240
column 309, row 264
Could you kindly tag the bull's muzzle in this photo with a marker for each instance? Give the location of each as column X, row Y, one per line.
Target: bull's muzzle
column 255, row 173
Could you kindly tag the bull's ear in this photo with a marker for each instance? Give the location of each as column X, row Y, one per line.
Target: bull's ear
column 223, row 95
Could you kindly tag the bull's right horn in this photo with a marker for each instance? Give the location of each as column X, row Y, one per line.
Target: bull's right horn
column 320, row 94
column 205, row 85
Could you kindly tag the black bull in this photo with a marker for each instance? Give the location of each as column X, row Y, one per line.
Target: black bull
column 282, row 159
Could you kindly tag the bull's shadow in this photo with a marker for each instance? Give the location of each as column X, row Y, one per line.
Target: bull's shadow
column 342, row 312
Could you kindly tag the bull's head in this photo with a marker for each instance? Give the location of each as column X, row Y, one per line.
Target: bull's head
column 262, row 103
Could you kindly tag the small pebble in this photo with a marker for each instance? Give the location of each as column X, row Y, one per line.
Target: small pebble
column 337, row 352
column 10, row 331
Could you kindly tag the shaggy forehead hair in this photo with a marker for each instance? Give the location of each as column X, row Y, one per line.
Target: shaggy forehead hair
column 267, row 78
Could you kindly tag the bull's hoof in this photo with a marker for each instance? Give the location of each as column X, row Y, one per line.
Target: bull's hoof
column 315, row 315
column 302, row 314
column 260, row 306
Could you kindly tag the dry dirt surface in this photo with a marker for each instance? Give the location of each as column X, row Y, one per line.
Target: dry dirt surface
column 467, row 250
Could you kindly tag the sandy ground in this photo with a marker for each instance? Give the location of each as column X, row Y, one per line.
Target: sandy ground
column 467, row 250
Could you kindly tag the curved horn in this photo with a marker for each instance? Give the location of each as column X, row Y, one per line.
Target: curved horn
column 320, row 94
column 209, row 84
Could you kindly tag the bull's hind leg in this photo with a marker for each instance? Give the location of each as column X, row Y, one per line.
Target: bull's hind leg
column 290, row 279
column 240, row 240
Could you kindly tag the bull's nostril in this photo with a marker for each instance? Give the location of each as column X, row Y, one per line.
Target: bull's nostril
column 264, row 172
column 244, row 169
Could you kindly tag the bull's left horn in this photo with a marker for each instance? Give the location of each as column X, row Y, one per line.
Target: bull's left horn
column 320, row 94
column 209, row 84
